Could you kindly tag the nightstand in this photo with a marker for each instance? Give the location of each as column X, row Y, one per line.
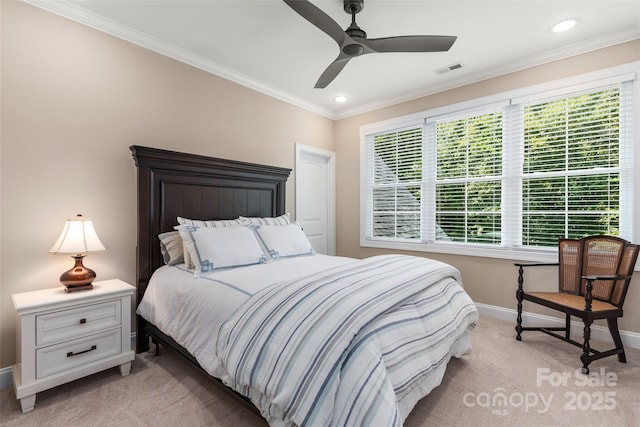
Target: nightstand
column 65, row 336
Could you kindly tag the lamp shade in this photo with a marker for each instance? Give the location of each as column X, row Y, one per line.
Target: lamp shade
column 77, row 237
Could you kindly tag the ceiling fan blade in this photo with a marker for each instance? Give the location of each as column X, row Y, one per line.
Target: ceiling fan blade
column 318, row 18
column 332, row 71
column 411, row 43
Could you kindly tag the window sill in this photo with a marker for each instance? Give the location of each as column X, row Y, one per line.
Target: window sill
column 528, row 255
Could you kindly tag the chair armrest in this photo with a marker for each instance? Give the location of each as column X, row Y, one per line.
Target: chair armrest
column 588, row 298
column 521, row 266
column 608, row 277
column 536, row 264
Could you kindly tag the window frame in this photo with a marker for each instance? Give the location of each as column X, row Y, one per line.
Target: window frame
column 372, row 184
column 510, row 99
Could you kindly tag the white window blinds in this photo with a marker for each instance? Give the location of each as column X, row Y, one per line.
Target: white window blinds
column 394, row 189
column 571, row 168
column 511, row 174
column 468, row 181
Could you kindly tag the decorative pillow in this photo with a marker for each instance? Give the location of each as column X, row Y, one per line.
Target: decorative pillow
column 209, row 223
column 280, row 220
column 220, row 247
column 202, row 223
column 283, row 241
column 171, row 247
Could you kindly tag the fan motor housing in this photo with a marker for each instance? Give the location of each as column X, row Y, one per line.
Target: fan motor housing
column 353, row 49
column 353, row 6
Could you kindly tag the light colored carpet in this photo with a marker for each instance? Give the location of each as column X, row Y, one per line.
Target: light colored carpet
column 536, row 376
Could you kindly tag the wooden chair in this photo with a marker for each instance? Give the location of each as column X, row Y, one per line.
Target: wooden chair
column 595, row 273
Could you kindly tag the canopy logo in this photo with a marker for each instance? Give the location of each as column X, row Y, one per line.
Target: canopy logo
column 595, row 393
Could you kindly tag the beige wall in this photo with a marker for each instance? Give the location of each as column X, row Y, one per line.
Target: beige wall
column 488, row 281
column 73, row 100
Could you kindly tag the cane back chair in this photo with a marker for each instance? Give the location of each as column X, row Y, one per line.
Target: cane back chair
column 594, row 275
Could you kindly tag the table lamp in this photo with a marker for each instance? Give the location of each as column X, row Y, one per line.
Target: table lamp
column 79, row 238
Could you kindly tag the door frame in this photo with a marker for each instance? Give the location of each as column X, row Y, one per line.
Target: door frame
column 330, row 177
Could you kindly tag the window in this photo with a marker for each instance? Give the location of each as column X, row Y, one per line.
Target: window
column 571, row 175
column 468, row 181
column 510, row 174
column 396, row 184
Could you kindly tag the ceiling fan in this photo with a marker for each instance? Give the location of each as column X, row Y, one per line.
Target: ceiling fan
column 354, row 42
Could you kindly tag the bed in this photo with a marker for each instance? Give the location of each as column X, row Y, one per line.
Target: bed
column 308, row 339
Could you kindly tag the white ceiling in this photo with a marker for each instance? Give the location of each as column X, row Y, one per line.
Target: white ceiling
column 265, row 45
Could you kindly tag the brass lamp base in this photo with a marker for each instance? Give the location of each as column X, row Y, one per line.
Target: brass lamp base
column 79, row 278
column 69, row 289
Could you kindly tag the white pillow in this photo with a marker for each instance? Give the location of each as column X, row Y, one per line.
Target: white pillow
column 219, row 247
column 283, row 241
column 280, row 220
column 210, row 223
column 200, row 223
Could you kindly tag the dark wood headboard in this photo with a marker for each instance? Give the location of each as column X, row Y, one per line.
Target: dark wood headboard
column 172, row 184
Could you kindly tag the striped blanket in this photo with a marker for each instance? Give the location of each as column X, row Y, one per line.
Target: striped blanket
column 343, row 346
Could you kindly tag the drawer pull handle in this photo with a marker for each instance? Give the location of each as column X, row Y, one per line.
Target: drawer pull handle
column 83, row 320
column 71, row 353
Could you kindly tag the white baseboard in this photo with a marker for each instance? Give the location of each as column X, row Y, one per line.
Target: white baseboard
column 5, row 378
column 600, row 333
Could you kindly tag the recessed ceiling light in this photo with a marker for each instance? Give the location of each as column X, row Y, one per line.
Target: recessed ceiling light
column 340, row 98
column 565, row 25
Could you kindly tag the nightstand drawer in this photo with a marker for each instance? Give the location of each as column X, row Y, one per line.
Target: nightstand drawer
column 65, row 336
column 62, row 325
column 61, row 357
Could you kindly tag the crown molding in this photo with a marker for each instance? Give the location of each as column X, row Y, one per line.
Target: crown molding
column 548, row 57
column 78, row 14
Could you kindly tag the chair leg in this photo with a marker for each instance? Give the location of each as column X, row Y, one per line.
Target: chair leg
column 519, row 297
column 586, row 348
column 567, row 327
column 615, row 334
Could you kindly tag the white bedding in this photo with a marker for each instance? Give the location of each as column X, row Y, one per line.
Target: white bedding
column 421, row 320
column 190, row 310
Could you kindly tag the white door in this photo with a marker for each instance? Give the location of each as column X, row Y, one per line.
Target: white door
column 315, row 196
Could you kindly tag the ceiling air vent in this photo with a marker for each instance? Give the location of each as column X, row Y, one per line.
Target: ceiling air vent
column 448, row 68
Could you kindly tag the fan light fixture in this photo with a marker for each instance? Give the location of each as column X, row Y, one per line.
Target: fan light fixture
column 565, row 25
column 78, row 237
